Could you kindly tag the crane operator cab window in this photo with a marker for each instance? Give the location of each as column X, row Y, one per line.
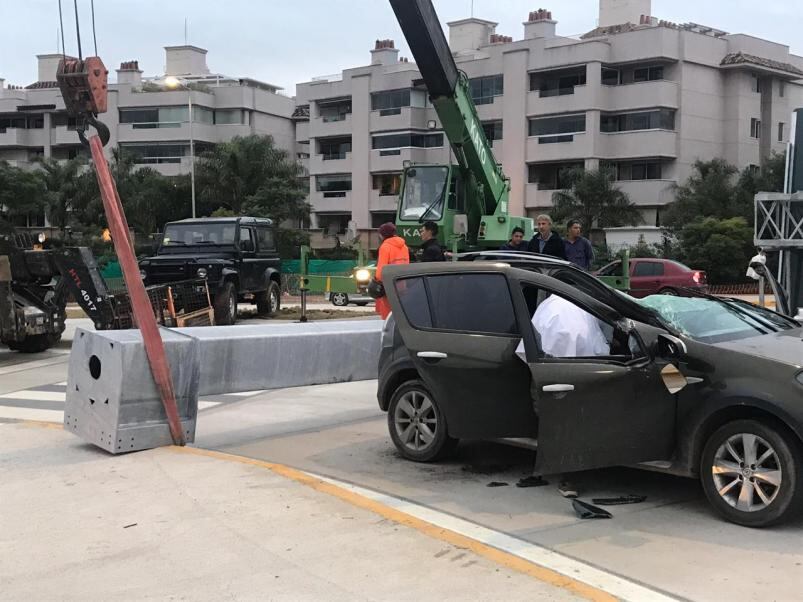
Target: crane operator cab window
column 424, row 193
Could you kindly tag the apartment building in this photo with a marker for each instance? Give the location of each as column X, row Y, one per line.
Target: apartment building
column 146, row 119
column 644, row 96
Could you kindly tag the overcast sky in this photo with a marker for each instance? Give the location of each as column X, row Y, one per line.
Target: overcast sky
column 285, row 42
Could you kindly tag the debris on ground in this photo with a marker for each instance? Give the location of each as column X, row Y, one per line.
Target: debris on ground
column 532, row 481
column 294, row 313
column 586, row 510
column 567, row 490
column 619, row 501
column 497, row 484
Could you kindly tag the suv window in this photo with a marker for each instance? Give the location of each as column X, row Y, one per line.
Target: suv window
column 247, row 234
column 648, row 268
column 472, row 303
column 413, row 297
column 265, row 237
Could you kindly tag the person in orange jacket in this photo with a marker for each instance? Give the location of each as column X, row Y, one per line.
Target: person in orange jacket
column 392, row 251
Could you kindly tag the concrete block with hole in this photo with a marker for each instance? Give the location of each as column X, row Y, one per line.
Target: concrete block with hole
column 112, row 401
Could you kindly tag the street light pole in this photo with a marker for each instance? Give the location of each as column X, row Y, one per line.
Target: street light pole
column 192, row 153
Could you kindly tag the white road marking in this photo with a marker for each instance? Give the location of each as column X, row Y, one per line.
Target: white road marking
column 247, row 393
column 62, row 384
column 36, row 395
column 32, row 414
column 33, row 365
column 575, row 569
column 202, row 405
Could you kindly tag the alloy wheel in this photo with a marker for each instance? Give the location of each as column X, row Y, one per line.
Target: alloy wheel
column 747, row 472
column 416, row 421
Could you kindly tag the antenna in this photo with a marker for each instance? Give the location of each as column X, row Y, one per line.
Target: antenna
column 185, row 31
column 472, row 9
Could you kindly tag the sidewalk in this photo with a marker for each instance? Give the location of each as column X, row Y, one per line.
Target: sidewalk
column 78, row 524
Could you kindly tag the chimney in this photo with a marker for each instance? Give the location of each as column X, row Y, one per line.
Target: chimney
column 468, row 35
column 130, row 73
column 539, row 25
column 618, row 12
column 384, row 53
column 500, row 39
column 48, row 65
column 185, row 60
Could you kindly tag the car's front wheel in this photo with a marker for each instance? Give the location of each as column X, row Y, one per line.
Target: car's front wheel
column 751, row 473
column 417, row 425
column 226, row 305
column 340, row 299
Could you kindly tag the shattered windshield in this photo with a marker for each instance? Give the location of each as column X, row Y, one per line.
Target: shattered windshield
column 199, row 234
column 424, row 193
column 716, row 320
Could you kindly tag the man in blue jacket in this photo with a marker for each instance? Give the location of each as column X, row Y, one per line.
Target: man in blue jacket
column 578, row 248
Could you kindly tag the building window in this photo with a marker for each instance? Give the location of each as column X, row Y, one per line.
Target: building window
column 493, row 130
column 334, row 223
column 390, row 102
column 610, row 77
column 165, row 117
column 334, row 185
column 388, row 184
column 378, row 218
column 755, row 83
column 334, row 148
column 147, row 154
column 12, row 123
column 552, row 176
column 229, row 117
column 485, row 89
column 407, row 140
column 780, row 131
column 662, row 119
column 637, row 170
column 755, row 128
column 557, row 83
column 334, row 110
column 648, row 74
column 558, row 126
column 781, row 88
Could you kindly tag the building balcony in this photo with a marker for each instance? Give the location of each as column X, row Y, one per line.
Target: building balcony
column 536, row 197
column 383, row 202
column 321, row 127
column 22, row 137
column 406, row 118
column 577, row 99
column 326, row 202
column 545, row 148
column 628, row 145
column 649, row 192
column 228, row 131
column 491, row 111
column 65, row 136
column 165, row 132
column 640, row 95
column 323, row 164
column 395, row 162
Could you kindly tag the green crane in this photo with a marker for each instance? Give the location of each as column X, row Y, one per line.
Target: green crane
column 467, row 199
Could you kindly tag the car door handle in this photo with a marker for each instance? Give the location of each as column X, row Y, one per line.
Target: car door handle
column 558, row 388
column 432, row 355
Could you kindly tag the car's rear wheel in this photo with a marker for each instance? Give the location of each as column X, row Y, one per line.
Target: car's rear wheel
column 226, row 305
column 751, row 473
column 417, row 425
column 340, row 299
column 269, row 301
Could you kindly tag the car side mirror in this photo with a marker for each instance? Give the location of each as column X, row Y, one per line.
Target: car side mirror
column 247, row 246
column 670, row 347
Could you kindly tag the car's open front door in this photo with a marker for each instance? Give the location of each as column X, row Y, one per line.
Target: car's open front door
column 599, row 411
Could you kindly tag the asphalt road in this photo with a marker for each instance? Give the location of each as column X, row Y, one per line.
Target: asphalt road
column 671, row 543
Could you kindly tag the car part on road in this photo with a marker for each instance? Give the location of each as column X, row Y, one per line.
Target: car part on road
column 497, row 484
column 752, row 473
column 619, row 501
column 585, row 510
column 532, row 481
column 417, row 426
column 112, row 401
column 567, row 490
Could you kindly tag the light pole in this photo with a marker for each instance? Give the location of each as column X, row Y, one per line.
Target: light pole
column 176, row 82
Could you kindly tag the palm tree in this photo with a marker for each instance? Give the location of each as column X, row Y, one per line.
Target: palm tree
column 62, row 183
column 593, row 198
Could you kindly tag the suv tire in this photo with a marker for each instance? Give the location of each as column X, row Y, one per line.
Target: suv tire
column 269, row 301
column 417, row 425
column 752, row 473
column 226, row 305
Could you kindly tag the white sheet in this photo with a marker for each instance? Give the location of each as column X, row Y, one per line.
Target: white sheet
column 567, row 330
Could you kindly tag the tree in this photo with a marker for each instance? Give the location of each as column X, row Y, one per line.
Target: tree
column 21, row 193
column 768, row 178
column 721, row 247
column 64, row 190
column 593, row 198
column 250, row 175
column 709, row 192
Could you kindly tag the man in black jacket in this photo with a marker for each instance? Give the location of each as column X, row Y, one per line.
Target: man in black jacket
column 430, row 249
column 546, row 241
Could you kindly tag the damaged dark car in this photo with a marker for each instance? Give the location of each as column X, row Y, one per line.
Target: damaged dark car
column 701, row 387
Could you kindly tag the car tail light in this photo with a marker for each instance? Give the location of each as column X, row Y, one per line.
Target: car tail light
column 698, row 277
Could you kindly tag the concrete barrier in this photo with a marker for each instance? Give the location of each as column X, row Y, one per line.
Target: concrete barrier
column 112, row 401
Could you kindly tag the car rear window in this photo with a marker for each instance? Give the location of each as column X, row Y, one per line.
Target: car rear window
column 472, row 303
column 413, row 297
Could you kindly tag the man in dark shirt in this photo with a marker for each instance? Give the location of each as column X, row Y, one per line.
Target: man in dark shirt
column 516, row 242
column 430, row 249
column 546, row 241
column 578, row 249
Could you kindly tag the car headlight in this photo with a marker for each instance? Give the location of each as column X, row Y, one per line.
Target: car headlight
column 202, row 273
column 362, row 275
column 143, row 274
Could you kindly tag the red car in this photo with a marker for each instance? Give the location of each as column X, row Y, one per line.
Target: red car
column 658, row 276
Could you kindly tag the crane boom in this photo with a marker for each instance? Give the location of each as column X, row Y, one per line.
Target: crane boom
column 451, row 96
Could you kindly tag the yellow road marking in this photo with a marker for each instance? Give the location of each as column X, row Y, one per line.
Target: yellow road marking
column 503, row 558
